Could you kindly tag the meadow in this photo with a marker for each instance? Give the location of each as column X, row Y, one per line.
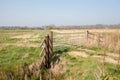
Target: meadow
column 19, row 47
column 84, row 62
column 90, row 61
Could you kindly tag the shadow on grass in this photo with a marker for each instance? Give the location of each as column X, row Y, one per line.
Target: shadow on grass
column 58, row 51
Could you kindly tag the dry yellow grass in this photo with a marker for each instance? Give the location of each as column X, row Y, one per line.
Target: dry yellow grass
column 82, row 30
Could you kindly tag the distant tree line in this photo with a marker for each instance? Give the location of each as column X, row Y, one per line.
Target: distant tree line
column 97, row 26
column 19, row 27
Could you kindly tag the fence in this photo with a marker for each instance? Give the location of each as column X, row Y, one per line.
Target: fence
column 95, row 37
column 47, row 50
column 46, row 54
column 77, row 38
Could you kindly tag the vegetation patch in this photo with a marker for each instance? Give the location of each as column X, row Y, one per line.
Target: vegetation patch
column 13, row 55
column 61, row 49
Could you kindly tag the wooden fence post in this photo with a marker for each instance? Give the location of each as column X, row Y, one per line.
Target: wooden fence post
column 86, row 35
column 47, row 52
column 98, row 40
column 51, row 42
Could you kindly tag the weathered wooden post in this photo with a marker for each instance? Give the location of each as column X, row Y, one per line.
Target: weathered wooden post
column 48, row 46
column 86, row 35
column 47, row 52
column 46, row 59
column 98, row 40
column 51, row 42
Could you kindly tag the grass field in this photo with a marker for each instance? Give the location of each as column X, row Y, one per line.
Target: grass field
column 72, row 63
column 19, row 46
column 87, row 62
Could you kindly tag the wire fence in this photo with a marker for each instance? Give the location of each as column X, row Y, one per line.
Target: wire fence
column 80, row 39
column 77, row 38
column 69, row 38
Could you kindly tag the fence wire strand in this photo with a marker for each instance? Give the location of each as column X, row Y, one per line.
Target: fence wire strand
column 69, row 38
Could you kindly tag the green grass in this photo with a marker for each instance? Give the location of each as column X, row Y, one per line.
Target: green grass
column 5, row 35
column 13, row 55
column 15, row 30
column 8, row 40
column 95, row 48
column 77, row 68
column 111, row 71
column 61, row 49
column 80, row 68
column 84, row 68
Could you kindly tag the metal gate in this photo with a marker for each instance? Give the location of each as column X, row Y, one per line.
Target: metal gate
column 77, row 38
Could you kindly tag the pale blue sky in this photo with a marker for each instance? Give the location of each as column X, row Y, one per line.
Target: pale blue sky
column 59, row 12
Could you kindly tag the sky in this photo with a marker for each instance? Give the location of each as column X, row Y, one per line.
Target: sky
column 59, row 12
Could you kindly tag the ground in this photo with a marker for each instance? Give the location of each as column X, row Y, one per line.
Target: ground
column 79, row 64
column 72, row 62
column 90, row 62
